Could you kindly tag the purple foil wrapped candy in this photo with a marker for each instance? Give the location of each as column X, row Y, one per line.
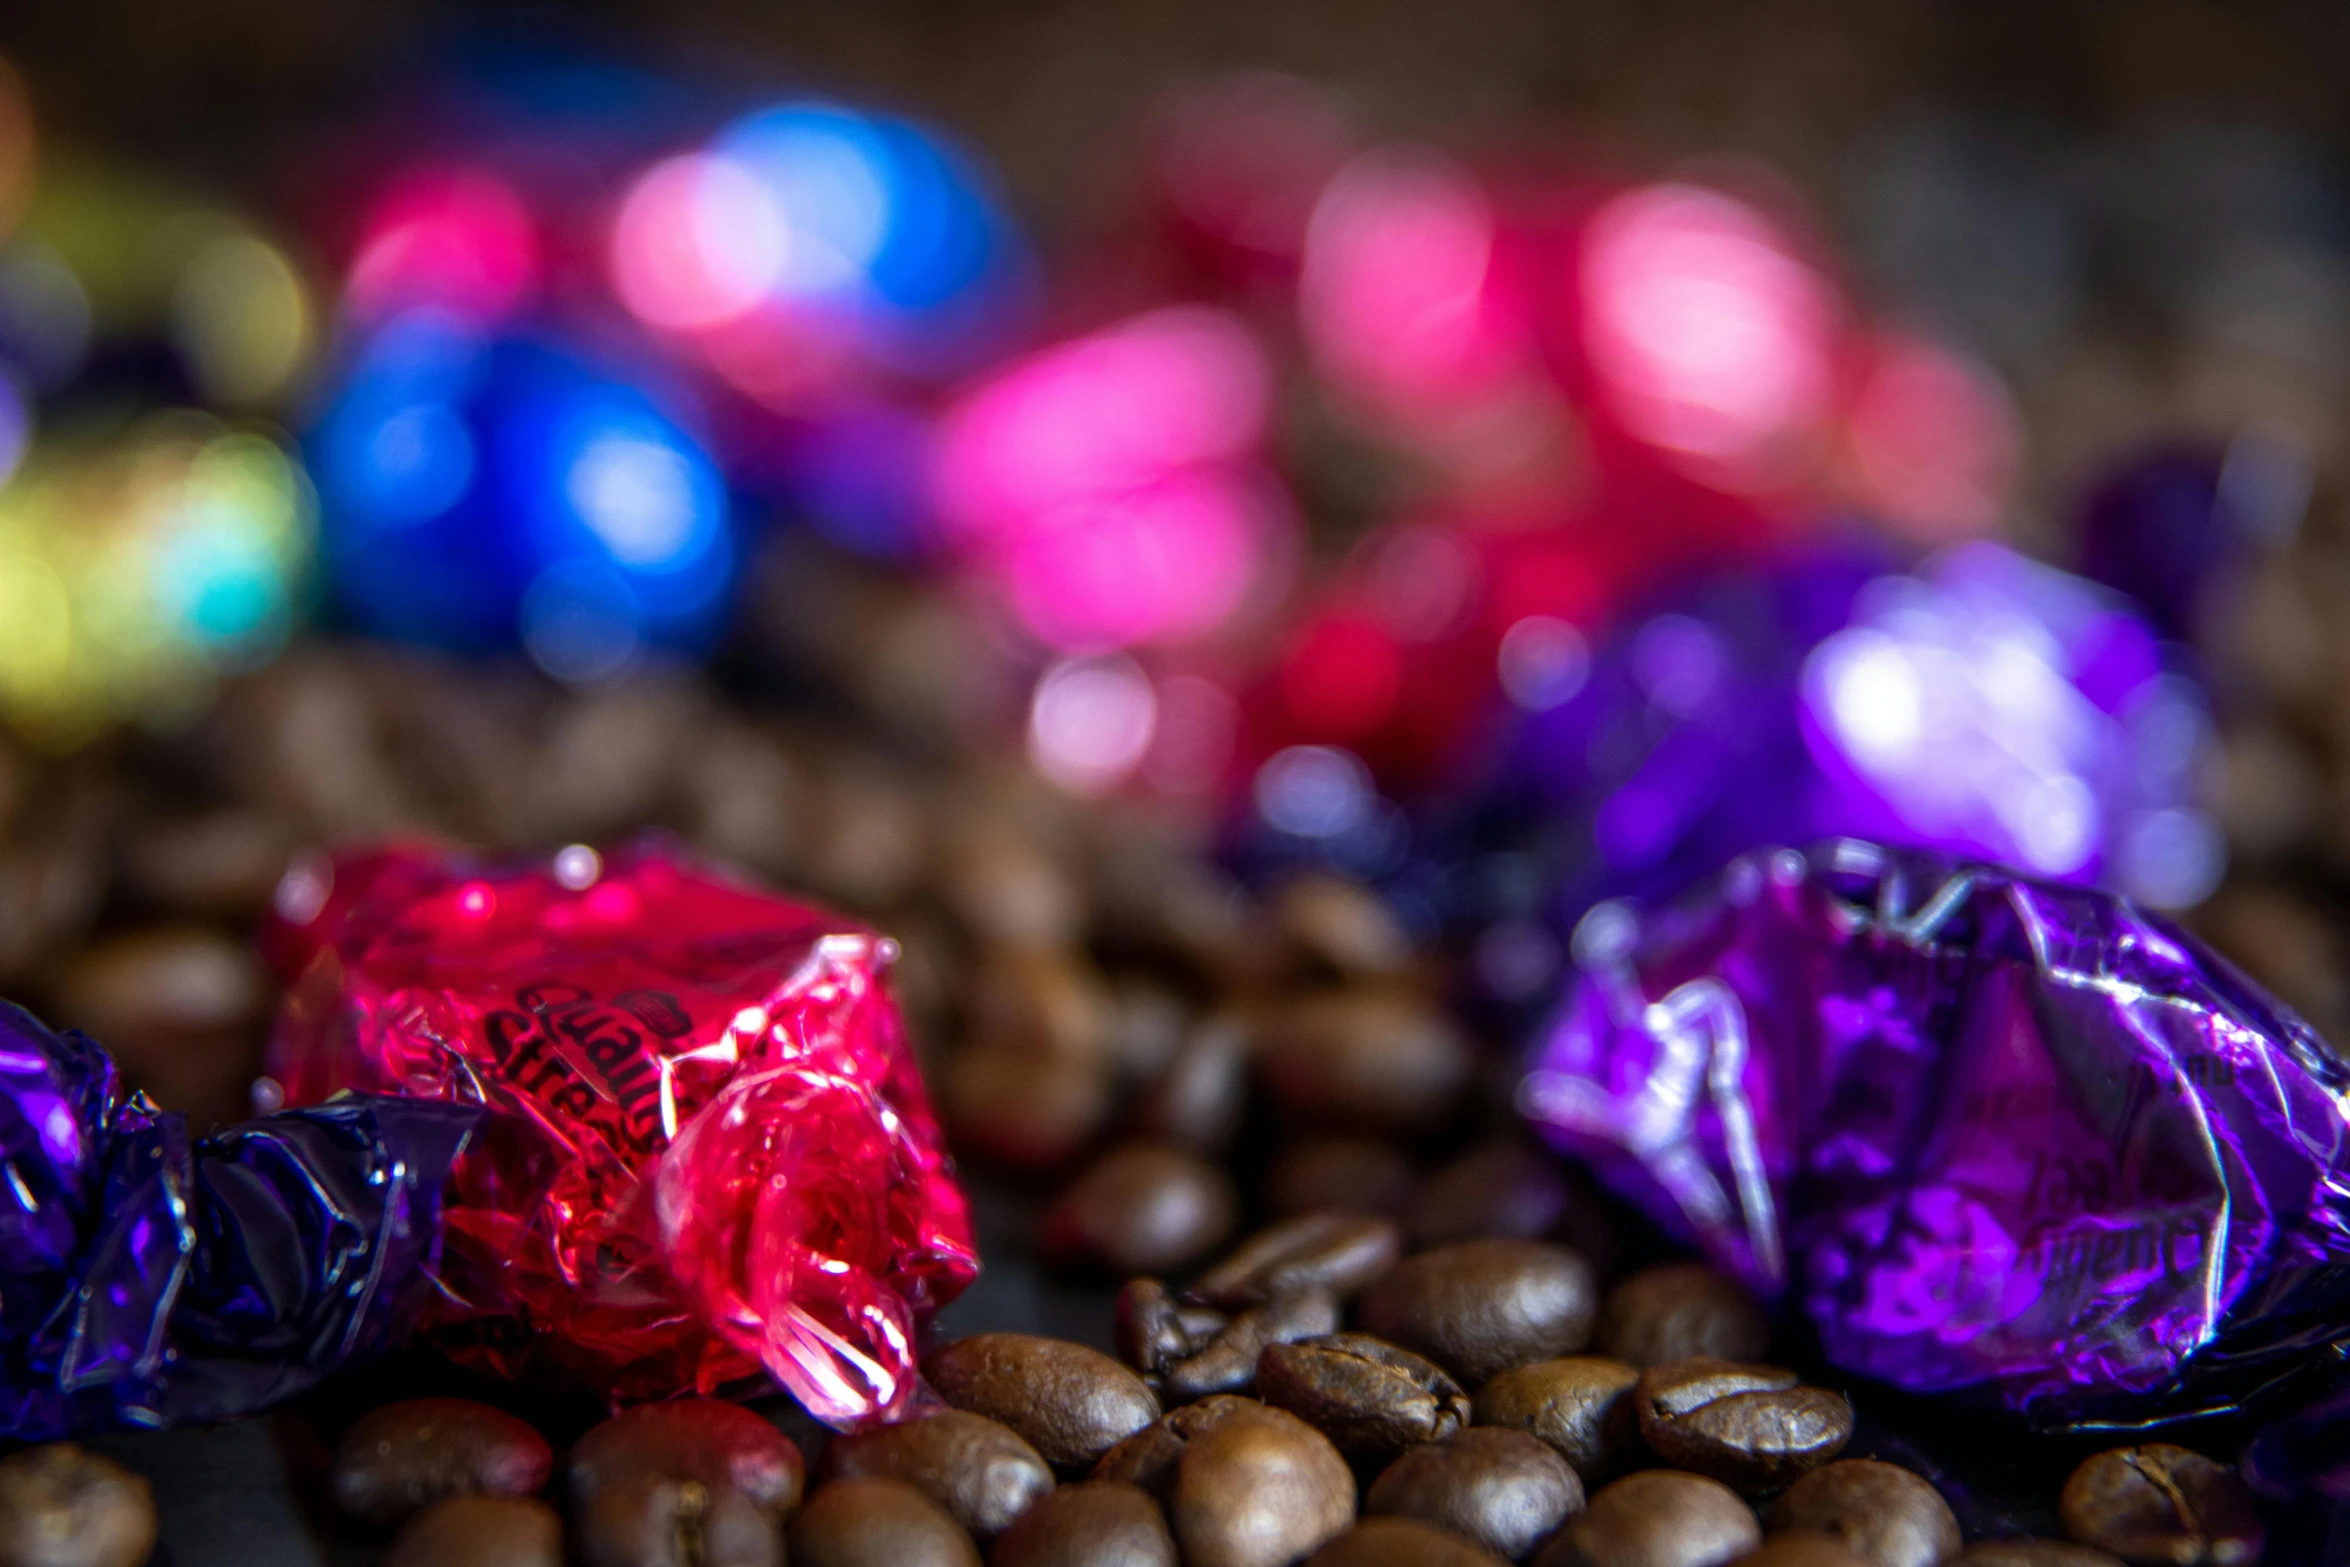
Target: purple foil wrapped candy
column 1991, row 1133
column 148, row 1279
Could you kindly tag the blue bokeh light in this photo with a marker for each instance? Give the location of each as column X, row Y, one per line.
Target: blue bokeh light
column 482, row 494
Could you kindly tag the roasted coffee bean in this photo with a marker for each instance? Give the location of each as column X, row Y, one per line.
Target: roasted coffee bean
column 652, row 1520
column 1228, row 1362
column 2162, row 1506
column 1365, row 1394
column 2034, row 1553
column 980, row 1471
column 1007, row 1102
column 1144, row 1208
column 1505, row 1189
column 1657, row 1518
column 1400, row 1542
column 1581, row 1405
column 1245, row 1485
column 1884, row 1514
column 1502, row 1489
column 1199, row 1098
column 1343, row 926
column 1481, row 1307
column 1049, row 1001
column 1094, row 1523
column 480, row 1531
column 1071, row 1403
column 1800, row 1548
column 720, row 1446
column 1321, row 1174
column 1752, row 1427
column 1680, row 1311
column 875, row 1522
column 181, row 1010
column 1338, row 1251
column 404, row 1457
column 224, row 863
column 1381, row 1060
column 61, row 1506
column 1154, row 1329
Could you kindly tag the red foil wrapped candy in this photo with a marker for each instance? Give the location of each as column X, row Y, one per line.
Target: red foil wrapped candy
column 707, row 1149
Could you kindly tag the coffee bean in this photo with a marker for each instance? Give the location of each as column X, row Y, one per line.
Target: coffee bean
column 1502, row 1489
column 980, row 1471
column 1340, row 1252
column 1145, row 1207
column 1155, row 1330
column 223, row 863
column 1800, row 1548
column 1481, row 1307
column 480, row 1531
column 1004, row 1101
column 1381, row 1060
column 1318, row 1174
column 720, row 1446
column 875, row 1522
column 2162, row 1506
column 1400, row 1542
column 1050, row 1001
column 1365, row 1394
column 1071, row 1403
column 61, row 1506
column 1657, row 1518
column 1199, row 1098
column 1504, row 1189
column 1342, row 926
column 180, row 1008
column 1228, row 1363
column 649, row 1520
column 1094, row 1523
column 1884, row 1514
column 1680, row 1311
column 1752, row 1427
column 406, row 1456
column 2034, row 1553
column 1245, row 1485
column 1581, row 1405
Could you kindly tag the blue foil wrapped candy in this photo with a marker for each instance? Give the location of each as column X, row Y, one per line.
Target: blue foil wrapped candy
column 151, row 1279
column 1990, row 1132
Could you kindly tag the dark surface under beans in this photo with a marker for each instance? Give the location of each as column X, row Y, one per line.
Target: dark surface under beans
column 1882, row 1513
column 2161, row 1505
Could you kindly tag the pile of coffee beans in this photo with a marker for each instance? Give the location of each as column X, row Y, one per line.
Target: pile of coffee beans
column 1433, row 1344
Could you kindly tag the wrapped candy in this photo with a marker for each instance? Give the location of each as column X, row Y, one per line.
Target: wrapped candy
column 1990, row 1132
column 148, row 1278
column 706, row 1148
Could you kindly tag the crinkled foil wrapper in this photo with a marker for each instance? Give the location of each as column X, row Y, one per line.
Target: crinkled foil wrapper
column 1988, row 1132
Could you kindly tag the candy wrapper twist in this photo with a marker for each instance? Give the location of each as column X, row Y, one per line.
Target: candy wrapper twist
column 1991, row 1133
column 706, row 1148
column 148, row 1278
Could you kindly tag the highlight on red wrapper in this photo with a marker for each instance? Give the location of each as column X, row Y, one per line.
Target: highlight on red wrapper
column 706, row 1151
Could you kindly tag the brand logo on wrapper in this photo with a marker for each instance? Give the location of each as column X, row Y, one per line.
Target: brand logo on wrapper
column 707, row 1151
column 1990, row 1132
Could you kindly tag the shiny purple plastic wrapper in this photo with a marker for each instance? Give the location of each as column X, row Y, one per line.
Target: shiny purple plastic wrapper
column 1990, row 1133
column 150, row 1279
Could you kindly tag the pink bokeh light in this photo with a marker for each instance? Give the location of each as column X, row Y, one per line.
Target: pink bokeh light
column 458, row 239
column 1707, row 334
column 697, row 242
column 1932, row 438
